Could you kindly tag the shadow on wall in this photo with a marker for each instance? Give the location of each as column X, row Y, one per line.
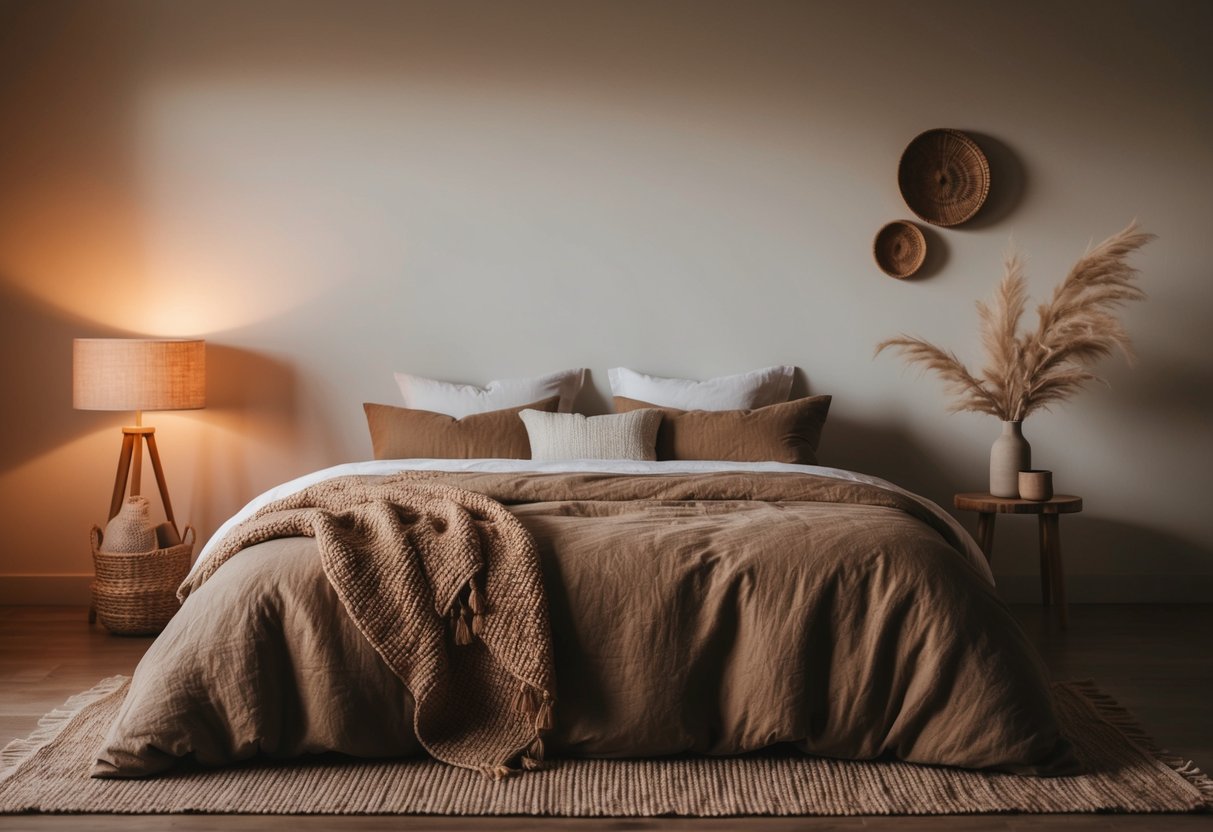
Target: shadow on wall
column 251, row 404
column 1179, row 387
column 1148, row 559
column 1008, row 183
column 890, row 452
column 885, row 450
column 937, row 253
column 36, row 365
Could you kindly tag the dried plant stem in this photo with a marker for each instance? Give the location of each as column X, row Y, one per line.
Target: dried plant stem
column 1077, row 327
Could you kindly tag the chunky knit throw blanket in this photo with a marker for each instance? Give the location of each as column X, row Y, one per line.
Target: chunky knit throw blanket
column 445, row 584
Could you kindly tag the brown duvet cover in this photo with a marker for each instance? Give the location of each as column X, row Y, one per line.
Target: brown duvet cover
column 712, row 613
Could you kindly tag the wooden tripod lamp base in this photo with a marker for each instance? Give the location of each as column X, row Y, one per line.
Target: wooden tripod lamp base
column 130, row 465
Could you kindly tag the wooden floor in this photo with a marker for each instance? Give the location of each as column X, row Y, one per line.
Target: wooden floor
column 1157, row 660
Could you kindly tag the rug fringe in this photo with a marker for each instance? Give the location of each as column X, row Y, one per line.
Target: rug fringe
column 13, row 755
column 1120, row 718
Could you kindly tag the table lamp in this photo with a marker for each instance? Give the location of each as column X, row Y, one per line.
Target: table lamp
column 138, row 374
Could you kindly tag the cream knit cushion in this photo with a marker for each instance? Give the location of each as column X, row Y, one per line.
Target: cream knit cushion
column 573, row 436
column 131, row 531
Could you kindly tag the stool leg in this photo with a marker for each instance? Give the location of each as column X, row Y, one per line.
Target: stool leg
column 1046, row 566
column 1057, row 578
column 985, row 534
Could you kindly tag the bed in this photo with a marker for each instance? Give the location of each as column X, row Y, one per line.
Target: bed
column 693, row 607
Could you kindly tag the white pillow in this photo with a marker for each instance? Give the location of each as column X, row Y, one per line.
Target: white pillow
column 461, row 400
column 746, row 391
column 631, row 435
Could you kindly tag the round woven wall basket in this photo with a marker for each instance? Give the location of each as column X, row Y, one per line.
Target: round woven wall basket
column 136, row 595
column 944, row 177
column 900, row 249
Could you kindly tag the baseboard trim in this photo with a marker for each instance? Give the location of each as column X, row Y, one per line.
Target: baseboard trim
column 44, row 590
column 1113, row 589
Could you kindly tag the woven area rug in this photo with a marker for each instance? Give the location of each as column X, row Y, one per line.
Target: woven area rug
column 49, row 773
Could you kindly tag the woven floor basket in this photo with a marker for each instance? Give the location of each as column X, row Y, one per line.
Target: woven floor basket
column 136, row 595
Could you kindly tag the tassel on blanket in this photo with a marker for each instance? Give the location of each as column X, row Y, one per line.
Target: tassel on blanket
column 476, row 604
column 526, row 700
column 497, row 772
column 543, row 719
column 467, row 619
column 475, row 598
column 536, row 707
column 463, row 635
column 532, row 758
column 459, row 623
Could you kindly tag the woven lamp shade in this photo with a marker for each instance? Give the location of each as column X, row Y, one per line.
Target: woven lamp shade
column 138, row 374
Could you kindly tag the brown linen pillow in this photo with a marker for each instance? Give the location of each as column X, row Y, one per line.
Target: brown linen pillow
column 785, row 432
column 401, row 433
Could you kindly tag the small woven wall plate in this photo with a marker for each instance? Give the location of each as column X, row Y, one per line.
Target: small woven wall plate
column 900, row 249
column 944, row 177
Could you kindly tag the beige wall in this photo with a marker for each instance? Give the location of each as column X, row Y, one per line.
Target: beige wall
column 330, row 192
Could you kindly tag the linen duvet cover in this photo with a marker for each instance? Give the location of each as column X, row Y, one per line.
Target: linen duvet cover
column 715, row 608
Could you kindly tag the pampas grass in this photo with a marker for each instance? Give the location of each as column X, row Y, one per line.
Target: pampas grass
column 1034, row 370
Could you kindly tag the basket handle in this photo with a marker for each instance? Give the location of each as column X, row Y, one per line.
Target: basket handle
column 95, row 538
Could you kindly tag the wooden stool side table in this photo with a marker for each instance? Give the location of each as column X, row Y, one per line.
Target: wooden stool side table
column 1052, row 575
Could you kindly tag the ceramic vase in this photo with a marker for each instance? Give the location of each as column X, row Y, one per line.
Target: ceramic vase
column 1010, row 454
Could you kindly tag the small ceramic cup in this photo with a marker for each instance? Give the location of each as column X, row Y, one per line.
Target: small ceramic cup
column 1035, row 485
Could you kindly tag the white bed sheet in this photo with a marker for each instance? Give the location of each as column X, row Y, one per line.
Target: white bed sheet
column 519, row 466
